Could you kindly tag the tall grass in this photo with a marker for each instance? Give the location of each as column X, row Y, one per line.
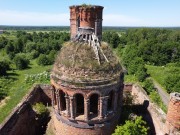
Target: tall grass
column 161, row 73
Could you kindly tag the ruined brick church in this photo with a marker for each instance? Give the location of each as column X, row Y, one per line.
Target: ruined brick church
column 86, row 79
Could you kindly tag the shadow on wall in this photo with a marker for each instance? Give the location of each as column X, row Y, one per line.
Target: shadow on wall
column 139, row 110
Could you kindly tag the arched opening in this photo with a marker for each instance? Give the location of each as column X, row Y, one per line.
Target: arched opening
column 94, row 105
column 79, row 104
column 62, row 100
column 110, row 100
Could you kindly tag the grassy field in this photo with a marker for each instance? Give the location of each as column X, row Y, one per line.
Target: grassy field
column 160, row 73
column 17, row 87
column 130, row 79
column 3, row 55
column 11, row 36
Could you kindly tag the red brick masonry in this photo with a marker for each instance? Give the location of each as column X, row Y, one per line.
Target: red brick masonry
column 173, row 115
column 90, row 16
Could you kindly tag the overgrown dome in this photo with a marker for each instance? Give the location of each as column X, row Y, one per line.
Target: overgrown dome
column 77, row 66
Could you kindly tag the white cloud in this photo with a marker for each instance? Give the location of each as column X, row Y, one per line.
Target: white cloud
column 33, row 18
column 9, row 17
column 120, row 20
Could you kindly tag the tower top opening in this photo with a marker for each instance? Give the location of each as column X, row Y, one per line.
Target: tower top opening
column 86, row 16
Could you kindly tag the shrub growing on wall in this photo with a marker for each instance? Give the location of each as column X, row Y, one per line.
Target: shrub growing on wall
column 132, row 127
column 40, row 109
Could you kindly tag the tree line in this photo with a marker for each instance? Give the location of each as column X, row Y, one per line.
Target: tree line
column 151, row 46
column 25, row 46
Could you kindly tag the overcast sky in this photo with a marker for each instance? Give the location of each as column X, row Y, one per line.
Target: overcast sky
column 115, row 13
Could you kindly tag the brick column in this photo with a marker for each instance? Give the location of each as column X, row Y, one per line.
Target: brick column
column 120, row 99
column 75, row 106
column 67, row 106
column 52, row 94
column 86, row 109
column 115, row 101
column 96, row 27
column 58, row 101
column 72, row 107
column 103, row 107
column 173, row 114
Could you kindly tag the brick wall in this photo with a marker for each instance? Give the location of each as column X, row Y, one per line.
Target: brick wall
column 64, row 129
column 86, row 17
column 173, row 115
column 22, row 120
column 157, row 115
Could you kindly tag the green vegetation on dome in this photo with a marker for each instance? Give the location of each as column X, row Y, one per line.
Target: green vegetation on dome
column 82, row 56
column 77, row 62
column 86, row 5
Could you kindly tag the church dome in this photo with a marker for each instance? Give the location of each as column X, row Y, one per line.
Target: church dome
column 77, row 66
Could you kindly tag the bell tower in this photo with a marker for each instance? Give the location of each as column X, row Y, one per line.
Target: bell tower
column 86, row 16
column 87, row 90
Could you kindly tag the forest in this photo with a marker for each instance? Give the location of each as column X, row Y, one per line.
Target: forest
column 28, row 46
column 145, row 49
column 34, row 28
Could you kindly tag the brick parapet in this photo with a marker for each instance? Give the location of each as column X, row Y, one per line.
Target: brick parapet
column 157, row 115
column 68, row 128
column 173, row 115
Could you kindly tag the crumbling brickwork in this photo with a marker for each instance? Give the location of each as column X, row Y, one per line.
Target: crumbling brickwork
column 94, row 110
column 86, row 16
column 173, row 114
column 64, row 129
column 22, row 121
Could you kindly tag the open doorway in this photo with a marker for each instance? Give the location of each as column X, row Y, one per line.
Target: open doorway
column 62, row 100
column 94, row 105
column 79, row 104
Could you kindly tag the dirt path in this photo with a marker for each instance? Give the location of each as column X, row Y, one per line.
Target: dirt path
column 163, row 94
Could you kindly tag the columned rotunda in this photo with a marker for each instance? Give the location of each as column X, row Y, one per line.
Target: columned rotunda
column 87, row 82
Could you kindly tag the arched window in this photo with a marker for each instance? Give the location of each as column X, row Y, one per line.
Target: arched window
column 62, row 100
column 94, row 105
column 79, row 104
column 110, row 100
